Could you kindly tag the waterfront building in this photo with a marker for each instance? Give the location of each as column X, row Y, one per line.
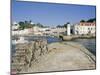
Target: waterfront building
column 16, row 31
column 84, row 28
column 49, row 30
column 59, row 29
column 37, row 30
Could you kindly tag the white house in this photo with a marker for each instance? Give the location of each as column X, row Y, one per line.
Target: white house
column 84, row 28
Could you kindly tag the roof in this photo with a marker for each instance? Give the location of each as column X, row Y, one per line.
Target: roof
column 87, row 23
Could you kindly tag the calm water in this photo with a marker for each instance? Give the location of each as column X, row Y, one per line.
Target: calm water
column 90, row 44
column 49, row 39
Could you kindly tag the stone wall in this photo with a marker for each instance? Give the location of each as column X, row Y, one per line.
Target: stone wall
column 26, row 54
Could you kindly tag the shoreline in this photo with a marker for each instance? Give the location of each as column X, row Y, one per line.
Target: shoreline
column 69, row 39
column 72, row 37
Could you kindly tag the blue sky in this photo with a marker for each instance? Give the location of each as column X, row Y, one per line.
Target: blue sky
column 50, row 14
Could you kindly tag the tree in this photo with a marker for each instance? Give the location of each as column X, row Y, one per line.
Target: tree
column 30, row 21
column 59, row 26
column 39, row 25
column 91, row 20
column 82, row 21
column 25, row 24
column 21, row 25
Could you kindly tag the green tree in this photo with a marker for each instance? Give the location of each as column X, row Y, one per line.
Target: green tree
column 82, row 21
column 25, row 24
column 30, row 21
column 39, row 25
column 59, row 26
column 21, row 25
column 91, row 20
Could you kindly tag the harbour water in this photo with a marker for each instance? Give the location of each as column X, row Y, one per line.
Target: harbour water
column 90, row 44
column 49, row 39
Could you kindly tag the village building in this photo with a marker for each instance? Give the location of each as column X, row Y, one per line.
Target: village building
column 84, row 28
column 76, row 29
column 48, row 30
column 17, row 31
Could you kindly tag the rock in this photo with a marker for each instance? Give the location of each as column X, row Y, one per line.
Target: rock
column 28, row 53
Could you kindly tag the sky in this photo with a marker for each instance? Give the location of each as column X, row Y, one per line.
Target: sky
column 51, row 14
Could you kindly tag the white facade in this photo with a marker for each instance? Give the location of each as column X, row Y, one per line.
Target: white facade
column 22, row 32
column 84, row 28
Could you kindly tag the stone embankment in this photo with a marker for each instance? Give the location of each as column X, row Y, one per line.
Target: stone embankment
column 71, row 37
column 26, row 53
column 54, row 57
